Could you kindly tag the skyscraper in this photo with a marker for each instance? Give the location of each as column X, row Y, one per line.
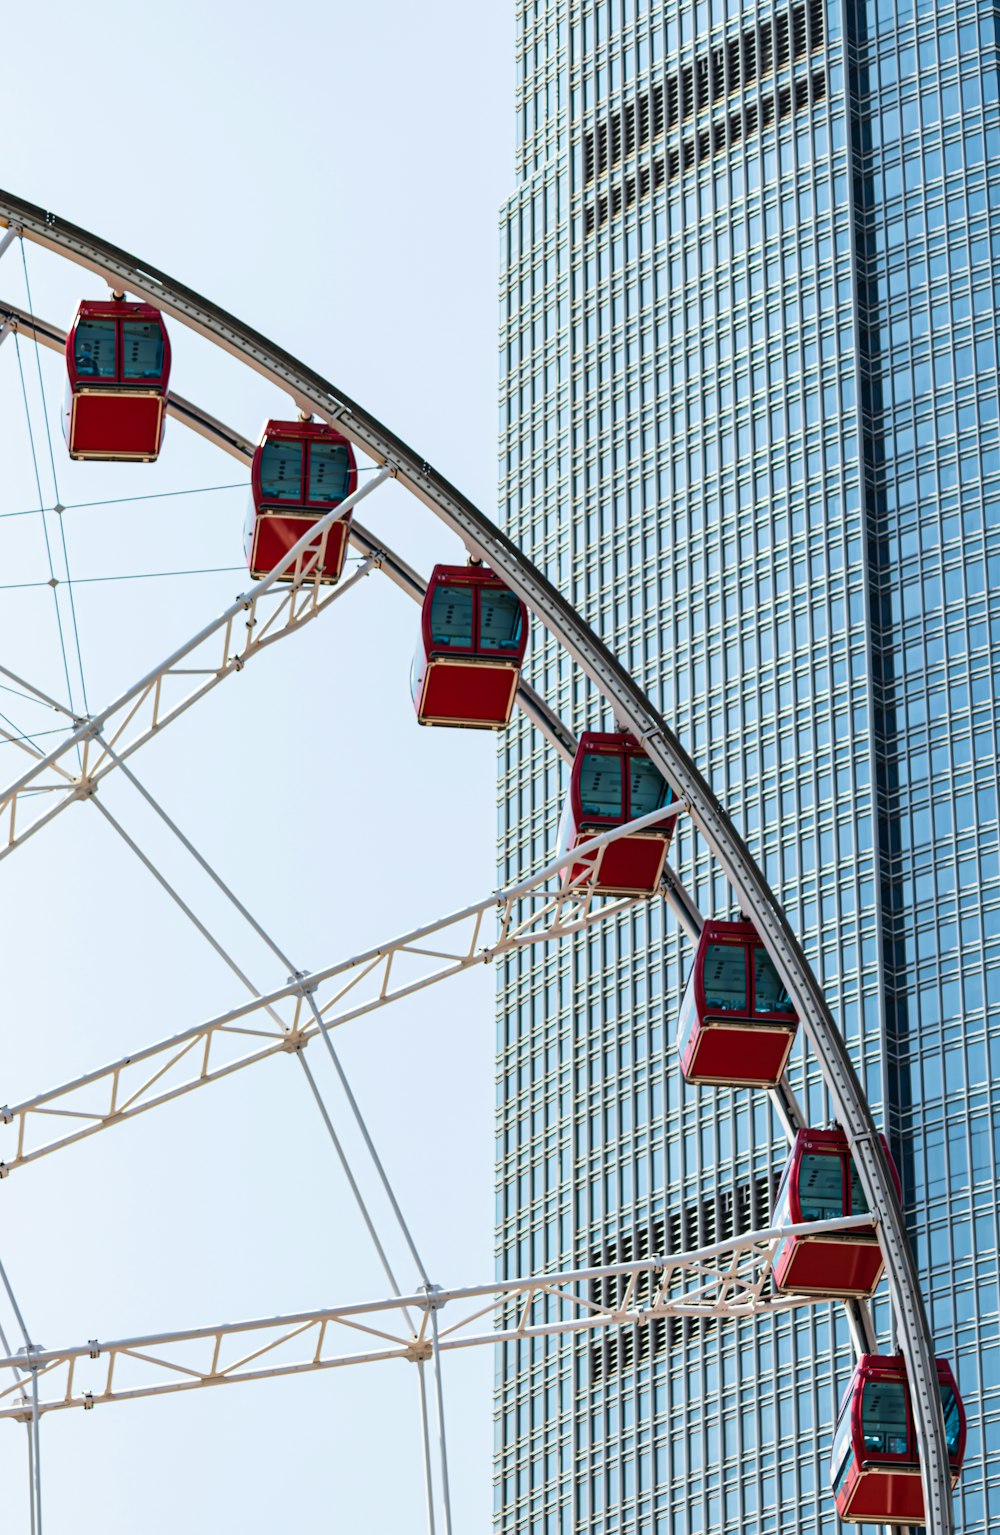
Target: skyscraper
column 749, row 424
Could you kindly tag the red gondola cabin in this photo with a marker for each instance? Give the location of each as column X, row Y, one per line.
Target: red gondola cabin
column 613, row 782
column 737, row 1021
column 473, row 635
column 301, row 470
column 118, row 365
column 875, row 1469
column 821, row 1184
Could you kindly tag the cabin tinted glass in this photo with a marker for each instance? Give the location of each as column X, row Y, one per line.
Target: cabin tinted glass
column 281, row 471
column 841, row 1457
column 647, row 789
column 781, row 1214
column 859, row 1204
column 726, row 978
column 688, row 1016
column 499, row 619
column 94, row 349
column 601, row 785
column 883, row 1417
column 821, row 1191
column 770, row 995
column 329, row 472
column 451, row 617
column 952, row 1420
column 142, row 350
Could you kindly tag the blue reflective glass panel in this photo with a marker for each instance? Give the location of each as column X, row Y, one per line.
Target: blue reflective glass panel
column 601, row 785
column 281, row 471
column 94, row 349
column 329, row 472
column 499, row 619
column 142, row 350
column 451, row 617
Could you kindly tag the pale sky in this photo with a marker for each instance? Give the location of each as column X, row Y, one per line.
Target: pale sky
column 335, row 181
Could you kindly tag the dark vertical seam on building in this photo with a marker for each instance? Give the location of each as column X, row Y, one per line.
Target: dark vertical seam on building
column 883, row 638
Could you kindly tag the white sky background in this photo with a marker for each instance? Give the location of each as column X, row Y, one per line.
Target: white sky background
column 332, row 175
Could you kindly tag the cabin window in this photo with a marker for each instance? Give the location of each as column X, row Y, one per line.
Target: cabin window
column 883, row 1417
column 821, row 1191
column 647, row 788
column 726, row 978
column 841, row 1457
column 688, row 1016
column 142, row 350
column 329, row 472
column 601, row 785
column 94, row 349
column 499, row 619
column 859, row 1204
column 281, row 471
column 952, row 1419
column 770, row 995
column 451, row 617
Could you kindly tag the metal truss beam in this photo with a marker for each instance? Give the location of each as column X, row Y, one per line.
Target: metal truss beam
column 632, row 707
column 538, row 910
column 218, row 651
column 729, row 1281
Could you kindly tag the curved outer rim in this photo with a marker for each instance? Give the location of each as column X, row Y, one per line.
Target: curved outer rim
column 314, row 394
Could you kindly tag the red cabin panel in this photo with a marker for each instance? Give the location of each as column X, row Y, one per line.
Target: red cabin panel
column 118, row 370
column 820, row 1183
column 271, row 537
column 829, row 1266
column 473, row 636
column 613, row 782
column 875, row 1470
column 728, row 1054
column 737, row 1023
column 301, row 470
column 461, row 693
column 115, row 426
column 874, row 1495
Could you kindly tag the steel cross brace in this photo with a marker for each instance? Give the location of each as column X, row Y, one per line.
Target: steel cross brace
column 537, row 910
column 147, row 707
column 726, row 1281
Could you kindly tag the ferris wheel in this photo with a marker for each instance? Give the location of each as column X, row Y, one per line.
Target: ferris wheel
column 837, row 1224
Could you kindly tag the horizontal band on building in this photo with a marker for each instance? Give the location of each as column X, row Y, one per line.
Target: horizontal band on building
column 751, row 55
column 712, row 140
column 732, row 1213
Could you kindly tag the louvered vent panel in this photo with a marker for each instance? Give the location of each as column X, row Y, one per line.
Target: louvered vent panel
column 704, row 82
column 735, row 1211
column 765, row 49
column 781, row 40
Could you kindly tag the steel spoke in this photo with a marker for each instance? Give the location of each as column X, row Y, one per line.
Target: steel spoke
column 357, row 986
column 727, row 1281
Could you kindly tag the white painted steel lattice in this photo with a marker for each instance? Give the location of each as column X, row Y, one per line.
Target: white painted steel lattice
column 728, row 1281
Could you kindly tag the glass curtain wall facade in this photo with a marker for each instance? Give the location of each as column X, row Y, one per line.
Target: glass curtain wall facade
column 749, row 425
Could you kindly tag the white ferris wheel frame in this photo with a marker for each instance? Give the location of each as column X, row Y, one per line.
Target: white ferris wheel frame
column 106, row 739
